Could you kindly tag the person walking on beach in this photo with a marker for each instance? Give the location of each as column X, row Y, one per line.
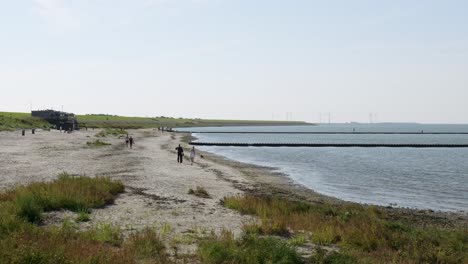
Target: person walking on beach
column 127, row 140
column 192, row 155
column 131, row 141
column 180, row 154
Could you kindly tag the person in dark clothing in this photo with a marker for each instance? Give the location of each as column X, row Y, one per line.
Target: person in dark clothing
column 180, row 154
column 131, row 141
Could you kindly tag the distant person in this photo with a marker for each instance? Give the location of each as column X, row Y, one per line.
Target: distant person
column 192, row 155
column 127, row 140
column 180, row 154
column 131, row 141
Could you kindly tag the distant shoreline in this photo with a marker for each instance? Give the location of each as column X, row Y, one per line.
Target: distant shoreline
column 11, row 120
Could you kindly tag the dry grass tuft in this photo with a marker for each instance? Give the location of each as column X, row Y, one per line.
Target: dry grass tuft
column 200, row 192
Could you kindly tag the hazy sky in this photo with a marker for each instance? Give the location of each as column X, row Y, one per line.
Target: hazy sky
column 402, row 60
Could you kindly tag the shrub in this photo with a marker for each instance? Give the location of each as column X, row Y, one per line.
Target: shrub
column 29, row 208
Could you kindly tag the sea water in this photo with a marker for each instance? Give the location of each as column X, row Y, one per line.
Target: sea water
column 432, row 178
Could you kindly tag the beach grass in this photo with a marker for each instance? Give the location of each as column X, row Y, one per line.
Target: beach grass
column 23, row 241
column 116, row 132
column 77, row 194
column 199, row 192
column 249, row 249
column 97, row 143
column 363, row 233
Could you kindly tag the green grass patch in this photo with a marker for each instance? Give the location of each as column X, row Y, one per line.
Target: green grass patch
column 97, row 143
column 115, row 132
column 67, row 192
column 22, row 241
column 68, row 246
column 246, row 250
column 199, row 192
column 362, row 232
column 106, row 233
column 12, row 121
column 83, row 216
column 147, row 245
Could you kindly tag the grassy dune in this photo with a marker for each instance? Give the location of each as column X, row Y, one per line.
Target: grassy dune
column 11, row 121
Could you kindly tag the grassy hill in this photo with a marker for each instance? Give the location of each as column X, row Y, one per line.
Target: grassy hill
column 11, row 121
column 147, row 122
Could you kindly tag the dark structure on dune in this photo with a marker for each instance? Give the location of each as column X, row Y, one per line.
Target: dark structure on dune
column 61, row 120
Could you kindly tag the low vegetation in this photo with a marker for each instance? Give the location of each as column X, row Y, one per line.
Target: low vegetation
column 249, row 249
column 112, row 121
column 23, row 241
column 11, row 121
column 97, row 143
column 116, row 132
column 200, row 192
column 77, row 194
column 83, row 216
column 363, row 233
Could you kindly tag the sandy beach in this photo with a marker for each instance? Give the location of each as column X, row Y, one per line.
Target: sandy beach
column 156, row 185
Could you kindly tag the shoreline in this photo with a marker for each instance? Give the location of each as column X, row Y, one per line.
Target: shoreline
column 157, row 187
column 159, row 196
column 268, row 181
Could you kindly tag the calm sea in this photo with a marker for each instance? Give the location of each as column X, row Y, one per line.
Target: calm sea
column 433, row 178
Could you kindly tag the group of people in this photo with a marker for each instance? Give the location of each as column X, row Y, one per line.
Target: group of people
column 129, row 141
column 180, row 154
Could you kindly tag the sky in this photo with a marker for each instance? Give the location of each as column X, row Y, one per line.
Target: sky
column 355, row 61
